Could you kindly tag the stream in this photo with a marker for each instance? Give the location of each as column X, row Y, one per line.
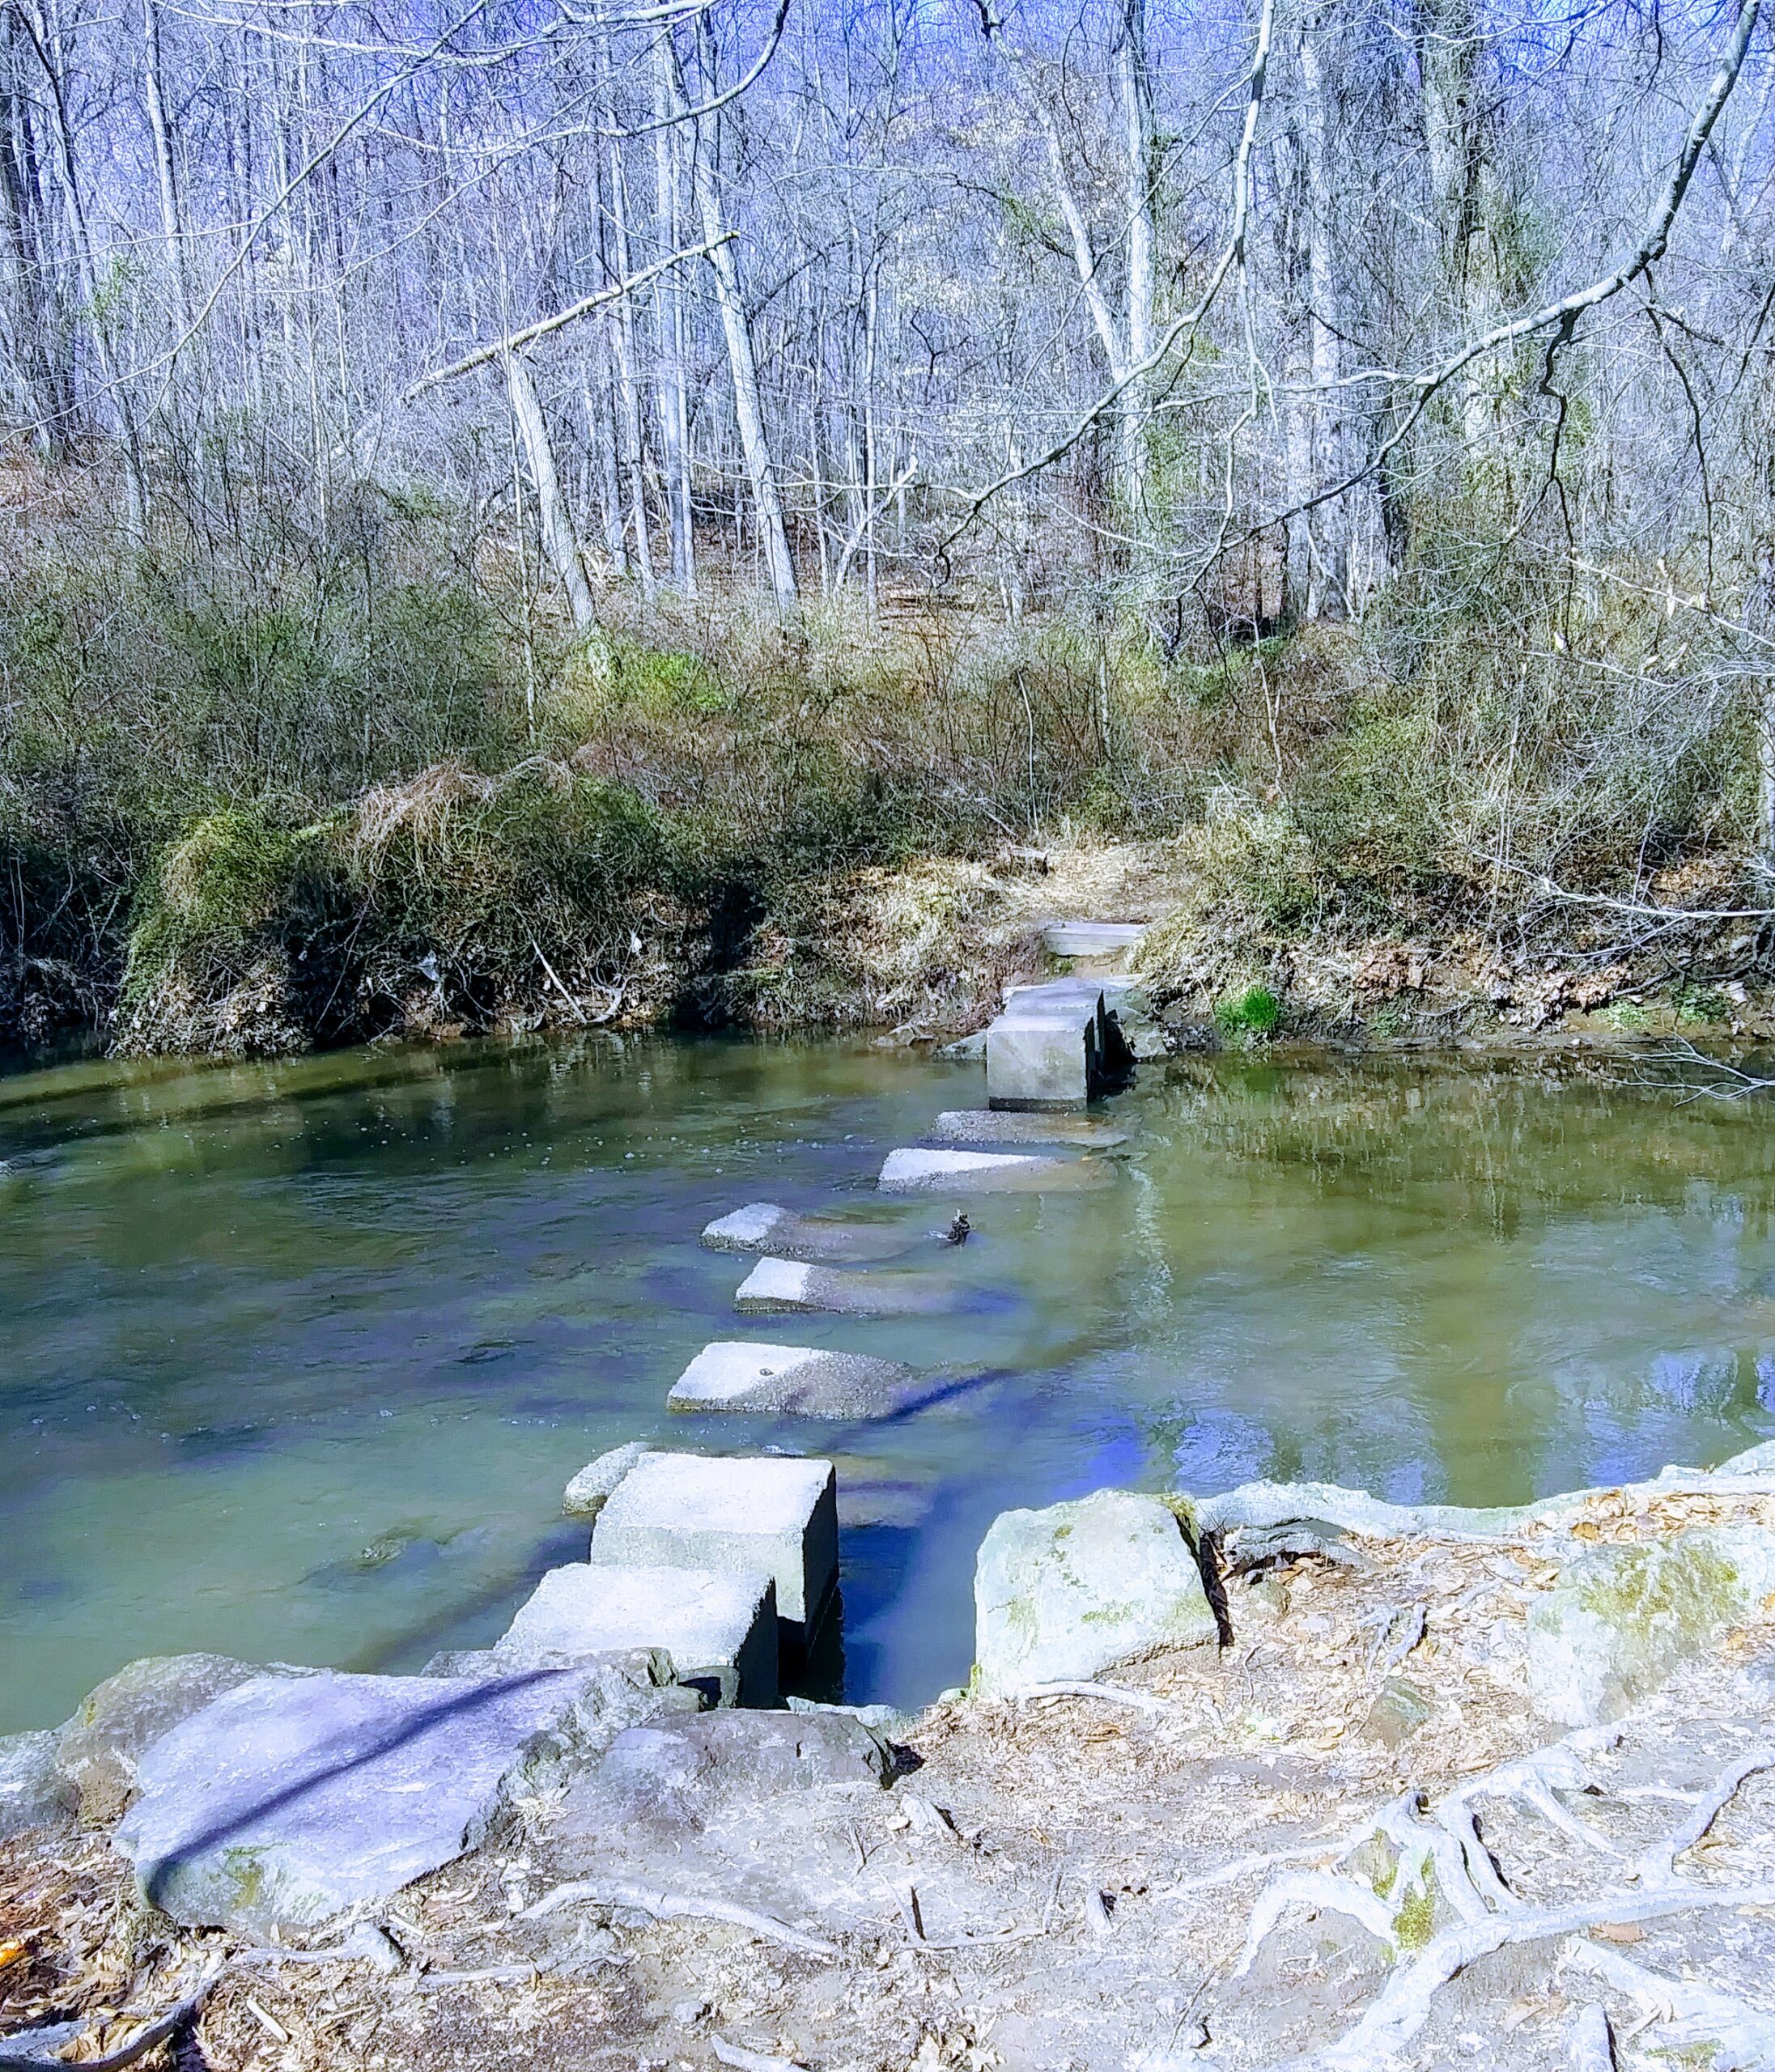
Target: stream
column 296, row 1358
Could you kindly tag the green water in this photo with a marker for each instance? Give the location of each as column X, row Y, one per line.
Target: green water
column 296, row 1359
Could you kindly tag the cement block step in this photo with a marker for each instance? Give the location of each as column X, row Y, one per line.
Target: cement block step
column 792, row 1381
column 776, row 1287
column 743, row 1517
column 762, row 1226
column 719, row 1625
column 1091, row 938
column 915, row 1172
column 976, row 1126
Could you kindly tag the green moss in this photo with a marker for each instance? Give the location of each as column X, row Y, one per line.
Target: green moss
column 1414, row 1921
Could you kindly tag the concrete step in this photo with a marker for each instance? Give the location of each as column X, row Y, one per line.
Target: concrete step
column 792, row 1381
column 971, row 1126
column 913, row 1172
column 762, row 1226
column 765, row 1514
column 778, row 1286
column 1053, row 1046
column 1091, row 938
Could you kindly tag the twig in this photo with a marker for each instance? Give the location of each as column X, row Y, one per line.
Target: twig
column 678, row 1906
column 1110, row 1694
column 749, row 2061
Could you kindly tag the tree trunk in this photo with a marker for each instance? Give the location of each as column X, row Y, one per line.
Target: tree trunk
column 559, row 542
column 748, row 406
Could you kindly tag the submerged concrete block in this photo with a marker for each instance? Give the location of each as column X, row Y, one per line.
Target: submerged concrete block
column 778, row 1285
column 748, row 1517
column 969, row 1126
column 720, row 1629
column 761, row 1226
column 796, row 1381
column 985, row 1172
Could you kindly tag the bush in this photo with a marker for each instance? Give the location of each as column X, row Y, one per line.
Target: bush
column 1256, row 1011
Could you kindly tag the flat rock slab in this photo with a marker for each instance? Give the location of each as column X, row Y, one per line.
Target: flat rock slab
column 286, row 1800
column 758, row 1516
column 774, row 1287
column 719, row 1629
column 1060, row 1593
column 792, row 1381
column 967, row 1125
column 761, row 1226
column 912, row 1172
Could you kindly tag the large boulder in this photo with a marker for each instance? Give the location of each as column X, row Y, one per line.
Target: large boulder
column 286, row 1801
column 1060, row 1593
column 32, row 1790
column 1622, row 1619
column 101, row 1746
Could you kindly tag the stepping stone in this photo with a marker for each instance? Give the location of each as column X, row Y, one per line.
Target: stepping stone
column 288, row 1799
column 776, row 1285
column 1013, row 1126
column 761, row 1226
column 589, row 1492
column 720, row 1629
column 1050, row 1048
column 1091, row 938
column 795, row 1380
column 762, row 1515
column 986, row 1172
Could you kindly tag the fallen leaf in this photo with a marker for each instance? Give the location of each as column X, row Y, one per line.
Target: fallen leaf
column 1620, row 1931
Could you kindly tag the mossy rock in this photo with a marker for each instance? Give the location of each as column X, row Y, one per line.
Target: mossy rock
column 1060, row 1593
column 1622, row 1619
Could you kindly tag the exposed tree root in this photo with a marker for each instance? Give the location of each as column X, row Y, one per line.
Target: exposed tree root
column 678, row 1906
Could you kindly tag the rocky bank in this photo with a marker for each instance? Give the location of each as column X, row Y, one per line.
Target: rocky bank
column 1282, row 1776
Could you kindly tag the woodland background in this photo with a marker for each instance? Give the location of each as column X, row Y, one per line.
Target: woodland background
column 502, row 499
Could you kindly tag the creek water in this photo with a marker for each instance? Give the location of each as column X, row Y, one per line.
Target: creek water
column 296, row 1359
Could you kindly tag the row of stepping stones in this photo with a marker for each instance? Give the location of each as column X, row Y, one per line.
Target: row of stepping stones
column 281, row 1795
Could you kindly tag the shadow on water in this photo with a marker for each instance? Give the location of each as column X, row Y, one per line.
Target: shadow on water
column 300, row 1356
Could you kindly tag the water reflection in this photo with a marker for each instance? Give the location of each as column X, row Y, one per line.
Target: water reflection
column 299, row 1356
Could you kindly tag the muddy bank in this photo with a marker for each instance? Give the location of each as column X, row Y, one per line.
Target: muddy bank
column 1436, row 1787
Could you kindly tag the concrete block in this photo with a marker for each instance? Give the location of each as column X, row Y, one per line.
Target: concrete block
column 796, row 1381
column 1045, row 1056
column 747, row 1517
column 718, row 1626
column 974, row 1125
column 986, row 1172
column 1091, row 938
column 761, row 1226
column 775, row 1286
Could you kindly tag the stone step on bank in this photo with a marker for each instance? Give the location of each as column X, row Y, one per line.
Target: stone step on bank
column 1055, row 1046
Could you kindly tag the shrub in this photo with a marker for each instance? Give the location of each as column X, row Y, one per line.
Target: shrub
column 1256, row 1011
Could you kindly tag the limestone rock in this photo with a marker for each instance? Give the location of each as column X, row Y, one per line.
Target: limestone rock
column 33, row 1789
column 778, row 1286
column 1061, row 1592
column 720, row 1631
column 586, row 1493
column 675, row 1773
column 795, row 1380
column 761, row 1226
column 1622, row 1619
column 761, row 1516
column 1399, row 1710
column 287, row 1800
column 101, row 1746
